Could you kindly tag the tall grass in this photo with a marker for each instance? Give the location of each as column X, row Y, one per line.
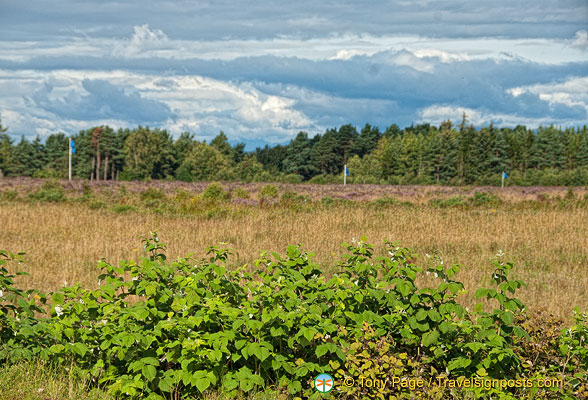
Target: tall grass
column 550, row 244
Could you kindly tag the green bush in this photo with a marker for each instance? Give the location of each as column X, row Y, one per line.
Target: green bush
column 10, row 195
column 157, row 328
column 484, row 198
column 450, row 202
column 215, row 193
column 324, row 179
column 240, row 193
column 292, row 178
column 123, row 208
column 153, row 194
column 294, row 201
column 385, row 202
column 267, row 194
column 47, row 173
column 51, row 191
column 95, row 204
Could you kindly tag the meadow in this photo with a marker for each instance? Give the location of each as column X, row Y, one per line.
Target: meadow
column 66, row 228
column 542, row 232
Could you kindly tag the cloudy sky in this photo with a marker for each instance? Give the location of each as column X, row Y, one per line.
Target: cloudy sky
column 262, row 71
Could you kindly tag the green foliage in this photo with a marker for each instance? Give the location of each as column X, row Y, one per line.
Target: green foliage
column 123, row 208
column 484, row 198
column 162, row 328
column 240, row 193
column 421, row 154
column 325, row 179
column 10, row 195
column 51, row 191
column 478, row 199
column 215, row 193
column 268, row 193
column 450, row 202
column 293, row 200
column 385, row 202
column 292, row 179
column 49, row 173
column 148, row 154
column 205, row 163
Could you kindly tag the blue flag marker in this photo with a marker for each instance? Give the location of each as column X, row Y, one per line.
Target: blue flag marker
column 504, row 175
column 73, row 147
column 346, row 171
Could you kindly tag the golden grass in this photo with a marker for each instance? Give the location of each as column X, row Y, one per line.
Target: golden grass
column 548, row 245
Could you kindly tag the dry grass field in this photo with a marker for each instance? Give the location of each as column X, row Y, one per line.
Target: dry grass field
column 548, row 243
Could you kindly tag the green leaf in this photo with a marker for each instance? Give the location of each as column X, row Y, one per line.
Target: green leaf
column 458, row 363
column 507, row 318
column 80, row 348
column 149, row 372
column 308, row 333
column 230, row 384
column 403, row 288
column 57, row 348
column 421, row 314
column 150, row 361
column 430, row 338
column 321, row 350
column 202, row 384
column 165, row 384
column 246, row 385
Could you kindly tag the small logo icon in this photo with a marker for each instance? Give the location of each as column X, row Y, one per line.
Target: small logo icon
column 324, row 383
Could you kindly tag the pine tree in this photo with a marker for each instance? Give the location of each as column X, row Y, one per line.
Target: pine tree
column 272, row 158
column 324, row 154
column 6, row 150
column 345, row 138
column 23, row 163
column 583, row 147
column 298, row 160
column 366, row 142
column 56, row 154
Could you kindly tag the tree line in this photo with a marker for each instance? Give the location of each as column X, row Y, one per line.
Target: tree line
column 447, row 154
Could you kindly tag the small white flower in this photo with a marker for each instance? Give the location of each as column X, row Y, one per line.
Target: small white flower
column 82, row 301
column 40, row 390
column 58, row 311
column 327, row 336
column 250, row 316
column 135, row 278
column 1, row 293
column 103, row 322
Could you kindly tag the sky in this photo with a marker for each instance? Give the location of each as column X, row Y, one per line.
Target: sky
column 262, row 71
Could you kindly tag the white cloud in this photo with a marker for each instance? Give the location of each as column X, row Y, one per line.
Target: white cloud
column 437, row 114
column 572, row 92
column 408, row 59
column 197, row 104
column 580, row 41
column 143, row 43
column 147, row 42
